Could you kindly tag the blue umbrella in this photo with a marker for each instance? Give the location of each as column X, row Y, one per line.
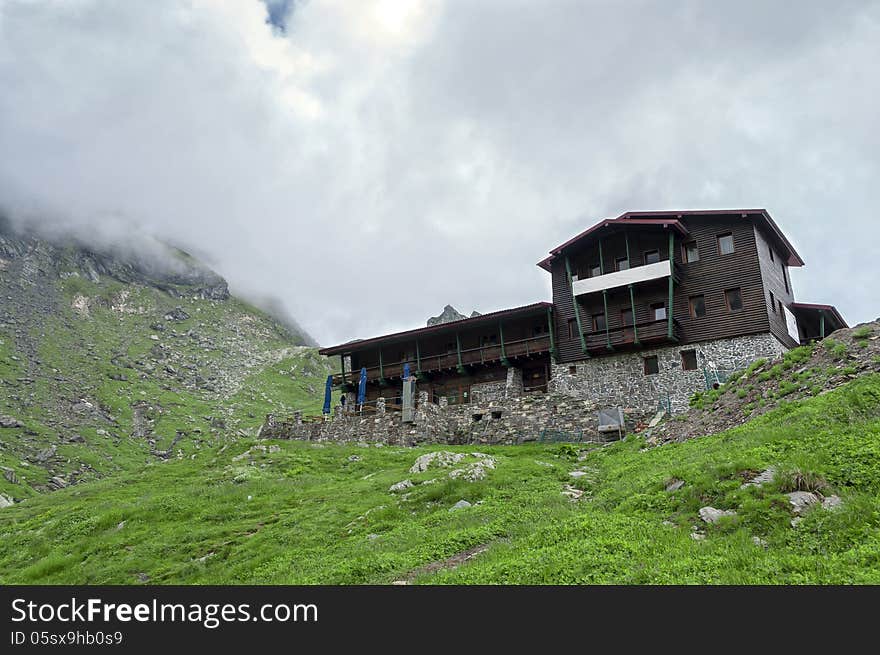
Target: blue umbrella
column 362, row 387
column 327, row 389
column 406, row 371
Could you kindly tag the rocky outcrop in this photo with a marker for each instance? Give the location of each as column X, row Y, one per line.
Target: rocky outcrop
column 448, row 315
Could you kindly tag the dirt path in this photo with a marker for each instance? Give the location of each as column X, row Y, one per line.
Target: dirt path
column 450, row 563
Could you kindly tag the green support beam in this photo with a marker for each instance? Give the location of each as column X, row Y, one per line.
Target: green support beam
column 458, row 350
column 669, row 327
column 632, row 300
column 381, row 367
column 574, row 302
column 342, row 363
column 504, row 359
column 626, row 241
column 601, row 259
column 607, row 327
column 418, row 358
column 552, row 336
column 821, row 325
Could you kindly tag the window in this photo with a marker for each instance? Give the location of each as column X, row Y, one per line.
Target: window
column 733, row 299
column 689, row 360
column 572, row 370
column 540, row 330
column 595, row 270
column 626, row 316
column 772, row 302
column 652, row 366
column 652, row 257
column 725, row 244
column 451, row 347
column 781, row 308
column 698, row 306
column 489, row 340
column 772, row 258
column 658, row 309
column 621, row 263
column 572, row 328
column 599, row 322
column 785, row 278
column 691, row 252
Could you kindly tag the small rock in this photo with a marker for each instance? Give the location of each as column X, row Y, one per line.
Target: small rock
column 698, row 536
column 120, row 525
column 712, row 515
column 578, row 474
column 461, row 504
column 76, row 438
column 801, row 500
column 675, row 485
column 759, row 542
column 400, row 486
column 762, row 478
column 9, row 422
column 46, row 454
column 796, row 521
column 372, row 537
column 143, row 577
column 6, row 501
column 831, row 502
column 57, row 482
column 154, row 337
column 354, row 458
column 9, row 474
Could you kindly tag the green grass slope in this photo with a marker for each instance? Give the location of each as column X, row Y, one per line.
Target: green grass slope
column 294, row 512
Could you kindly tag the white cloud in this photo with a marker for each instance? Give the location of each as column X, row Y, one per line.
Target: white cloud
column 378, row 160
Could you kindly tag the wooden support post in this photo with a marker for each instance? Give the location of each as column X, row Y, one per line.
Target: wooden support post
column 574, row 302
column 601, row 259
column 458, row 350
column 504, row 359
column 381, row 368
column 632, row 300
column 418, row 358
column 607, row 327
column 626, row 241
column 342, row 362
column 552, row 336
column 669, row 327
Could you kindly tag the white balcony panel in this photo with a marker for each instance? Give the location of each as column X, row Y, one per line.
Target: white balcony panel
column 622, row 278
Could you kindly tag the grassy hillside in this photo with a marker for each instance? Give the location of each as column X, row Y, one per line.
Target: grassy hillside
column 292, row 512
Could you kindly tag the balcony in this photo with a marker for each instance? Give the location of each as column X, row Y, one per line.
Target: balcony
column 489, row 354
column 652, row 332
column 635, row 275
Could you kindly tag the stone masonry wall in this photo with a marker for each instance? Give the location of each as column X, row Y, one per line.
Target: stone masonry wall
column 620, row 380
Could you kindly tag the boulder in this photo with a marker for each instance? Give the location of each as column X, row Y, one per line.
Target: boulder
column 712, row 515
column 801, row 500
column 6, row 501
column 176, row 314
column 436, row 458
column 674, row 485
column 461, row 504
column 578, row 474
column 830, row 502
column 400, row 486
column 762, row 478
column 9, row 422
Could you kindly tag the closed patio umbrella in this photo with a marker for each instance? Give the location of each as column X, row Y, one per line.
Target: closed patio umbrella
column 328, row 388
column 362, row 387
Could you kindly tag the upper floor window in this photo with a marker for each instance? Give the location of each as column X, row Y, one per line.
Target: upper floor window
column 658, row 309
column 785, row 278
column 489, row 340
column 691, row 252
column 599, row 322
column 725, row 244
column 697, row 306
column 652, row 257
column 733, row 299
column 540, row 330
column 772, row 302
column 626, row 316
column 572, row 328
column 772, row 256
column 621, row 263
column 595, row 270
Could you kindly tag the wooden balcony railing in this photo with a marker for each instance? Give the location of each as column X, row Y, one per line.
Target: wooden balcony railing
column 648, row 333
column 469, row 357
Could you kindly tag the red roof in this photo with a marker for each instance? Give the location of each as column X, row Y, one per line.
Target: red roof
column 358, row 344
column 670, row 219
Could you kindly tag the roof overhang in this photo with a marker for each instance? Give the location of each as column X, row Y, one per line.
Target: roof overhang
column 830, row 311
column 534, row 309
column 672, row 219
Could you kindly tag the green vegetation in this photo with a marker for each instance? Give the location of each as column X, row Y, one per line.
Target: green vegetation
column 293, row 512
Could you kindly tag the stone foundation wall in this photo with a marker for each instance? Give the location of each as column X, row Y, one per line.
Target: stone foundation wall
column 527, row 417
column 499, row 390
column 620, row 380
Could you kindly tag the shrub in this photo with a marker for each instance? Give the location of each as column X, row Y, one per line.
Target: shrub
column 862, row 333
column 834, row 347
column 800, row 480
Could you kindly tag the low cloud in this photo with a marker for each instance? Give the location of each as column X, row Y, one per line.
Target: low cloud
column 371, row 162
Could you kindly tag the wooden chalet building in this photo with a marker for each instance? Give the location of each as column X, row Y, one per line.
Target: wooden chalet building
column 648, row 308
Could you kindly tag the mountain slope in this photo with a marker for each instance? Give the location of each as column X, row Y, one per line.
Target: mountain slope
column 113, row 360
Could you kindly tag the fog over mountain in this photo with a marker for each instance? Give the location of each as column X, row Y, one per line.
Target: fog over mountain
column 368, row 163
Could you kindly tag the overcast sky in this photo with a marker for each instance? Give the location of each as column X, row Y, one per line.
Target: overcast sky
column 369, row 162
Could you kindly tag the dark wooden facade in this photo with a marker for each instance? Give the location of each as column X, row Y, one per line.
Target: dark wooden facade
column 450, row 358
column 748, row 269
